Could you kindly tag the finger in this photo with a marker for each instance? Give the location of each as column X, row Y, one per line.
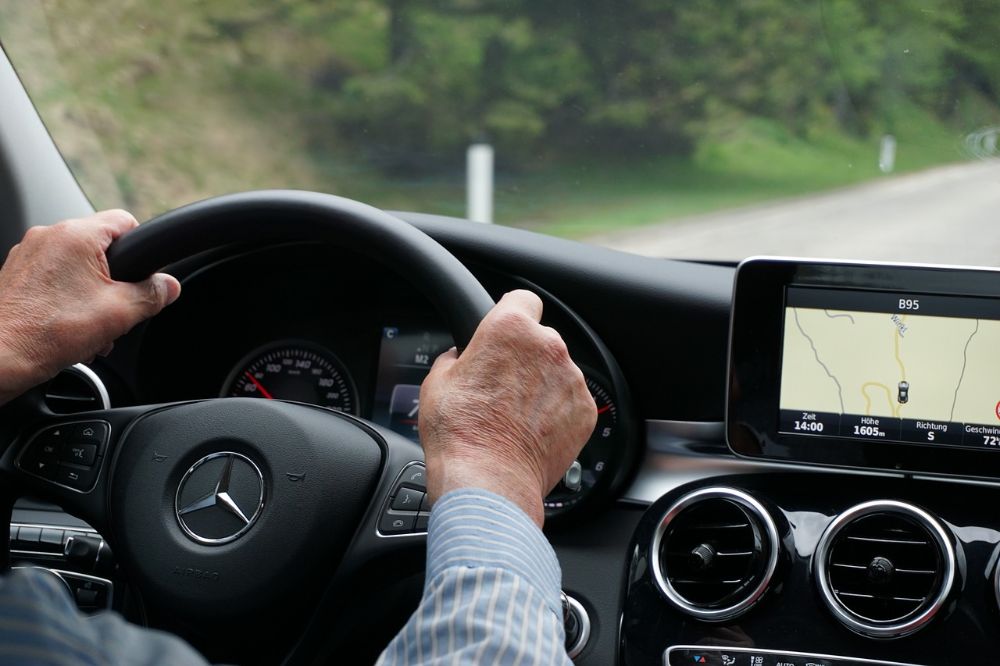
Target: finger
column 521, row 300
column 148, row 297
column 444, row 361
column 107, row 350
column 116, row 220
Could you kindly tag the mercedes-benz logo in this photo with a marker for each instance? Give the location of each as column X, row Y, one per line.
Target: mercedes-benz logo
column 219, row 498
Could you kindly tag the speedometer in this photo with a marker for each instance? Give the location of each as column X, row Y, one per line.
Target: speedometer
column 296, row 371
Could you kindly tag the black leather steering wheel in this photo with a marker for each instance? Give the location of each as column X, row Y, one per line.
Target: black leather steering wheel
column 225, row 513
column 274, row 216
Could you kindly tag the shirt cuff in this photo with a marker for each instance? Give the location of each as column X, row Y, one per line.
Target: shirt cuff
column 475, row 528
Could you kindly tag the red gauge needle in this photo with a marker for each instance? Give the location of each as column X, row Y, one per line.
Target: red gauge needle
column 260, row 387
column 599, row 411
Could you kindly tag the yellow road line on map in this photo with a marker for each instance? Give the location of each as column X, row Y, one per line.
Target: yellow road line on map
column 868, row 401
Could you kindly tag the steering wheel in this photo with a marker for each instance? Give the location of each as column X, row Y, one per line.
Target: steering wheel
column 226, row 513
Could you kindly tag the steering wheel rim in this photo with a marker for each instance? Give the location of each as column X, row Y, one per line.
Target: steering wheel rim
column 294, row 215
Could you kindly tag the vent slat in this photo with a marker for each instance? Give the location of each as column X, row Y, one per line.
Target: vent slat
column 712, row 553
column 899, row 542
column 884, row 567
column 70, row 392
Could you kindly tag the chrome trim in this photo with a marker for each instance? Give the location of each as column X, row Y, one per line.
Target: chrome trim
column 663, row 583
column 98, row 464
column 782, row 653
column 53, row 526
column 95, row 379
column 660, row 434
column 573, row 651
column 249, row 521
column 858, row 623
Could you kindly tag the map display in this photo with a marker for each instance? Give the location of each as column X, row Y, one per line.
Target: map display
column 913, row 372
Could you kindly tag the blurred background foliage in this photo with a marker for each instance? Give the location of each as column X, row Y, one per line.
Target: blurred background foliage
column 603, row 113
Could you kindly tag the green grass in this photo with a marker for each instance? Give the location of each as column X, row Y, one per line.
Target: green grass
column 753, row 162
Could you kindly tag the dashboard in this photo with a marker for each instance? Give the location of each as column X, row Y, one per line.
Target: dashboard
column 729, row 508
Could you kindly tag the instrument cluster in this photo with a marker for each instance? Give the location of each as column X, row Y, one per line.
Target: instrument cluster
column 363, row 350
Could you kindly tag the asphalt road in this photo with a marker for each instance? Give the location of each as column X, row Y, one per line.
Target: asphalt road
column 947, row 215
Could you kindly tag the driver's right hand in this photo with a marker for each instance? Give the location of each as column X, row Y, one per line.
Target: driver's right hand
column 509, row 414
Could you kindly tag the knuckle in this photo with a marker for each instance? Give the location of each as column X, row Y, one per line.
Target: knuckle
column 554, row 348
column 37, row 233
column 118, row 215
column 509, row 321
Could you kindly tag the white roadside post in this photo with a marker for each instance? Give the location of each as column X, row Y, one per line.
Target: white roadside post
column 887, row 154
column 479, row 183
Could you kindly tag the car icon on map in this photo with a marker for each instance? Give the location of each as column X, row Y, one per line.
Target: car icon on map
column 904, row 392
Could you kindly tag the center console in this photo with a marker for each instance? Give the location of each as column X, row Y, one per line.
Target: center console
column 864, row 401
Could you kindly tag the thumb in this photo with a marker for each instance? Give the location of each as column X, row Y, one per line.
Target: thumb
column 152, row 294
column 444, row 361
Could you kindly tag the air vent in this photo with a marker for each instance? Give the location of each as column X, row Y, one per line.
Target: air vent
column 76, row 389
column 714, row 553
column 885, row 568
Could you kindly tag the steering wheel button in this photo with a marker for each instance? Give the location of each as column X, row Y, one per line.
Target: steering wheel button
column 95, row 433
column 51, row 540
column 397, row 522
column 28, row 538
column 79, row 454
column 34, row 464
column 425, row 503
column 415, row 476
column 407, row 499
column 78, row 478
column 48, row 450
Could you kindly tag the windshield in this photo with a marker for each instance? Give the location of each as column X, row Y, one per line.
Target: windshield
column 706, row 130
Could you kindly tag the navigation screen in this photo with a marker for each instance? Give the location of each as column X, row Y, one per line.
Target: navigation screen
column 889, row 367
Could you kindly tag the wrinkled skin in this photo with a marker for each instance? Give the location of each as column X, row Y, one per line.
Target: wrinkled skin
column 510, row 414
column 59, row 305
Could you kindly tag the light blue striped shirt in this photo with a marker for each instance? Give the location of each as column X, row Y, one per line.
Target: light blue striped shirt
column 491, row 597
column 491, row 594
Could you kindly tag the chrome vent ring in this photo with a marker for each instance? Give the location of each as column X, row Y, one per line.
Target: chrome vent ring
column 885, row 568
column 714, row 553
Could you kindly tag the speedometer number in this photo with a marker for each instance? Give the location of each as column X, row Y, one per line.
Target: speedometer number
column 294, row 371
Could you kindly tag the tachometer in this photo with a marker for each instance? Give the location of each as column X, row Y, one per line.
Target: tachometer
column 595, row 458
column 296, row 371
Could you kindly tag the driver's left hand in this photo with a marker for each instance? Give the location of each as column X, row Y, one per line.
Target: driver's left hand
column 59, row 305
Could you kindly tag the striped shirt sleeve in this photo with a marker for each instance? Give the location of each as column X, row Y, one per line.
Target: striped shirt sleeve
column 40, row 626
column 491, row 594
